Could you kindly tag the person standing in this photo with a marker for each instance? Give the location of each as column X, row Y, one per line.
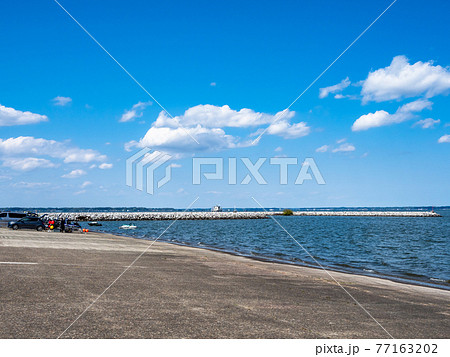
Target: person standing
column 62, row 226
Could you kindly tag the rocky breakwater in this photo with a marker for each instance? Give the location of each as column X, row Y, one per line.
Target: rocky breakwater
column 365, row 213
column 156, row 216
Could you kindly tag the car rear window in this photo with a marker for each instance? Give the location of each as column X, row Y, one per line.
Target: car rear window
column 2, row 215
column 17, row 215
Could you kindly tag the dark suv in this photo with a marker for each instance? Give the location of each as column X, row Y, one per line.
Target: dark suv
column 29, row 223
column 6, row 217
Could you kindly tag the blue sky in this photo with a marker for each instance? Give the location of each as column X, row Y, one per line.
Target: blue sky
column 379, row 138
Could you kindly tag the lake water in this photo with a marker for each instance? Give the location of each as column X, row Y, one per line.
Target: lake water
column 411, row 249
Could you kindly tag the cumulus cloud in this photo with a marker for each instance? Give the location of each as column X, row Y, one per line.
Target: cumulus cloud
column 427, row 123
column 205, row 123
column 402, row 80
column 180, row 139
column 323, row 148
column 444, row 139
column 211, row 116
column 28, row 145
column 105, row 166
column 323, row 92
column 61, row 101
column 27, row 164
column 345, row 147
column 383, row 118
column 136, row 111
column 74, row 174
column 11, row 117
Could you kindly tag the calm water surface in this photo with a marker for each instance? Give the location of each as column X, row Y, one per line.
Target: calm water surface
column 412, row 249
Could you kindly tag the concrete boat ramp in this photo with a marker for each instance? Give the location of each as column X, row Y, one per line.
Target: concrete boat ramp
column 104, row 286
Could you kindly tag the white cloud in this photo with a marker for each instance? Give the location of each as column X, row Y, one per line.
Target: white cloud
column 288, row 131
column 427, row 123
column 323, row 92
column 278, row 149
column 211, row 116
column 372, row 120
column 444, row 139
column 86, row 184
column 82, row 155
column 27, row 164
column 26, row 145
column 179, row 139
column 205, row 123
column 345, row 147
column 105, row 166
column 136, row 111
column 61, row 101
column 11, row 116
column 175, row 165
column 403, row 80
column 323, row 148
column 383, row 118
column 213, row 84
column 75, row 174
column 129, row 146
column 30, row 184
column 416, row 106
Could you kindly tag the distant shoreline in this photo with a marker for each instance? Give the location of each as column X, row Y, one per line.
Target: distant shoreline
column 225, row 209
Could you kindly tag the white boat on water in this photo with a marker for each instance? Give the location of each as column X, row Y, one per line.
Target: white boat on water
column 95, row 223
column 216, row 209
column 128, row 226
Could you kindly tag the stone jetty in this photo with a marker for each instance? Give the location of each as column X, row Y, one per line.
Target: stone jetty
column 367, row 213
column 162, row 216
column 157, row 216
